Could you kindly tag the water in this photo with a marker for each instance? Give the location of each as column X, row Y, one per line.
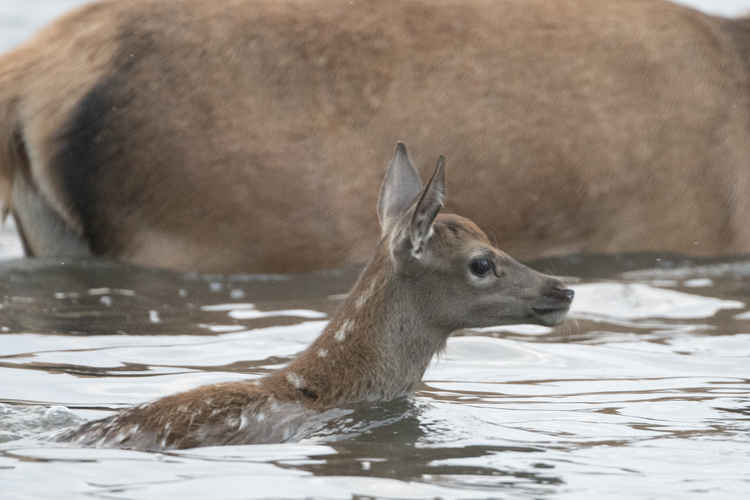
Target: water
column 643, row 393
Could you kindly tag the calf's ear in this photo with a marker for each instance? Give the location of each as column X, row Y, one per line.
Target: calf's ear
column 400, row 187
column 431, row 200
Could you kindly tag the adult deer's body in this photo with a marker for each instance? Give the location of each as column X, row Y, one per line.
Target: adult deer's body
column 431, row 274
column 243, row 135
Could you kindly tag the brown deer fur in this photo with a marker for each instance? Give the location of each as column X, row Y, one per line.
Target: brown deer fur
column 242, row 135
column 416, row 290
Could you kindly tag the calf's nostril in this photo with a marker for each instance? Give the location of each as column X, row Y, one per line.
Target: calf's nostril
column 560, row 293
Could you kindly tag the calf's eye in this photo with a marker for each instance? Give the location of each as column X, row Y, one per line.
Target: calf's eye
column 481, row 266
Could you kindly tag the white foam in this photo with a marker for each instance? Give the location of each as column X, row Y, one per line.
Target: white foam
column 637, row 301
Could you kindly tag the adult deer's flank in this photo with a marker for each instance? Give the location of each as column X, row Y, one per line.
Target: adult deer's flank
column 609, row 126
column 431, row 275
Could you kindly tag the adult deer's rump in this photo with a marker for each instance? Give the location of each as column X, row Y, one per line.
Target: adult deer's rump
column 243, row 135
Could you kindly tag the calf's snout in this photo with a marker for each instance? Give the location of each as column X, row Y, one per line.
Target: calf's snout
column 559, row 292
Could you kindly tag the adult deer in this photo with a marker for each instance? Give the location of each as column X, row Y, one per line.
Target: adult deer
column 431, row 274
column 243, row 135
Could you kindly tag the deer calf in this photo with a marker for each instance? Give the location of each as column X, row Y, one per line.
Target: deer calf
column 431, row 274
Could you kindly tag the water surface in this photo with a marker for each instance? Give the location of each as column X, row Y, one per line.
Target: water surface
column 643, row 393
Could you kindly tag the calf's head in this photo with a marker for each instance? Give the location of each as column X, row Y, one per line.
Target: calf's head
column 456, row 276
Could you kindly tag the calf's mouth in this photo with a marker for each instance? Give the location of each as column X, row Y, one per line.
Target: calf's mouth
column 552, row 307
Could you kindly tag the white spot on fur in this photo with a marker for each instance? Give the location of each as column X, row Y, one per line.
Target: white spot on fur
column 362, row 299
column 153, row 316
column 243, row 421
column 295, row 380
column 260, row 417
column 322, row 353
column 343, row 330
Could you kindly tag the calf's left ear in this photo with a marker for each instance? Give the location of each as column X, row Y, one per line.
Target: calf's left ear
column 400, row 187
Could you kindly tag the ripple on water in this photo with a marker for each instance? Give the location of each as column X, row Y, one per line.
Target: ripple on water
column 644, row 390
column 639, row 301
column 20, row 421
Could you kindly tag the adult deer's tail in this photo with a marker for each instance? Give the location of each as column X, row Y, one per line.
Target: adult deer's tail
column 12, row 149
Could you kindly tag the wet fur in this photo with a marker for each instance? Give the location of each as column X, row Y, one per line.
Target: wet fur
column 367, row 365
column 376, row 348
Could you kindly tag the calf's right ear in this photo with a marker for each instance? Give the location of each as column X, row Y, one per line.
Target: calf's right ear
column 430, row 202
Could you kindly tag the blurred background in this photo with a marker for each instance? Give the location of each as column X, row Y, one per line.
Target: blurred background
column 20, row 18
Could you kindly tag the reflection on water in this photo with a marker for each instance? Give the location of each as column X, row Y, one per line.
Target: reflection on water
column 644, row 392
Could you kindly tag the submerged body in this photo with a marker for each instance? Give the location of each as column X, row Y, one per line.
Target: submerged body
column 431, row 275
column 193, row 135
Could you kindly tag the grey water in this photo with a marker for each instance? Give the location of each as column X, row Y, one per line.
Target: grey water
column 643, row 393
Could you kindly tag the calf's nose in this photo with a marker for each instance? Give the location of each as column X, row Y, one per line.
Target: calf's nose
column 559, row 292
